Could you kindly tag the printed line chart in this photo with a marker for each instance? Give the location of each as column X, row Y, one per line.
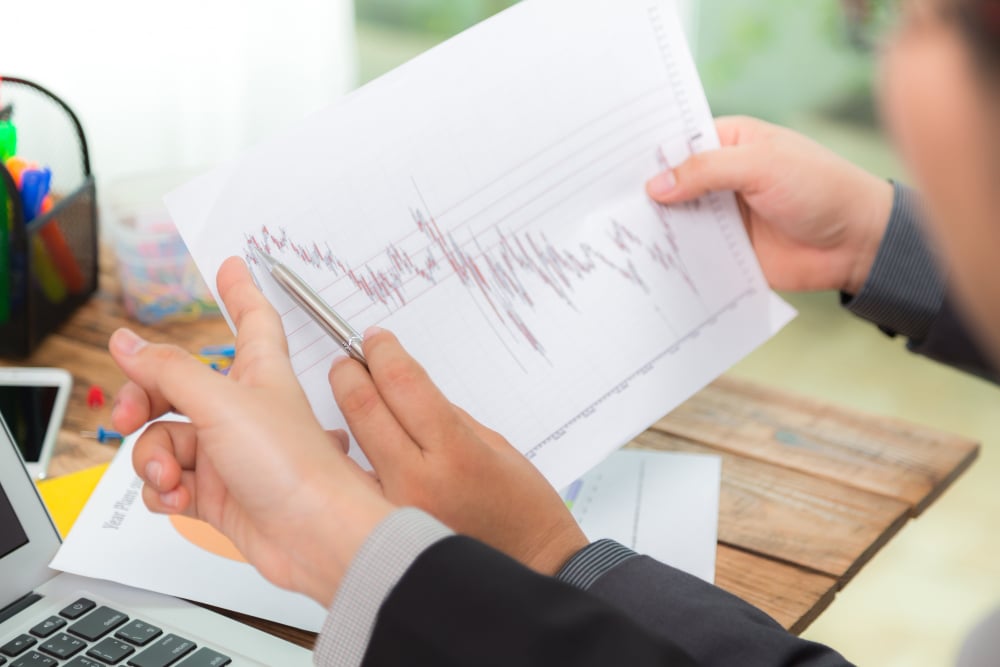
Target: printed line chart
column 502, row 253
column 496, row 269
column 491, row 212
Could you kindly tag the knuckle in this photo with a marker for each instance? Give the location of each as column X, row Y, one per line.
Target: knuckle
column 358, row 401
column 695, row 164
column 377, row 343
column 167, row 354
column 402, row 374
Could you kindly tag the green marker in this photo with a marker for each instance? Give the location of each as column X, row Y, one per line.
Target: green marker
column 8, row 148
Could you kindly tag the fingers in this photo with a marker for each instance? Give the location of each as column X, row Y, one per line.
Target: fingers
column 733, row 130
column 732, row 167
column 412, row 397
column 164, row 457
column 383, row 440
column 178, row 501
column 340, row 438
column 728, row 168
column 133, row 407
column 168, row 376
column 260, row 342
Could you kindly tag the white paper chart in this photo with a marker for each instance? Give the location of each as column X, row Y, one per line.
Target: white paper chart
column 486, row 203
column 661, row 504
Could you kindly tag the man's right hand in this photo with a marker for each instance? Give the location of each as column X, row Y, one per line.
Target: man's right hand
column 815, row 219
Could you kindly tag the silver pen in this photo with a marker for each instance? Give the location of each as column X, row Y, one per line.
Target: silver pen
column 313, row 303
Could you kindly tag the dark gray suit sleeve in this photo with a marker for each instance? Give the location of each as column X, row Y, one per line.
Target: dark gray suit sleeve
column 906, row 294
column 712, row 626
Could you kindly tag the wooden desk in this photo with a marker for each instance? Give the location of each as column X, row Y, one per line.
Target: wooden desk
column 810, row 491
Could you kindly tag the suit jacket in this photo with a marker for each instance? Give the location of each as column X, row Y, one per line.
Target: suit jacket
column 462, row 603
column 950, row 341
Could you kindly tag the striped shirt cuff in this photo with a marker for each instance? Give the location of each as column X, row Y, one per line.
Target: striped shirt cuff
column 380, row 563
column 905, row 289
column 592, row 562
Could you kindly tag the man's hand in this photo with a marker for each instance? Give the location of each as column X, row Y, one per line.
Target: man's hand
column 254, row 462
column 815, row 219
column 431, row 454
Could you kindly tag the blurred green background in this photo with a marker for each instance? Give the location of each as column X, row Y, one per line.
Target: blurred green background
column 806, row 55
column 812, row 65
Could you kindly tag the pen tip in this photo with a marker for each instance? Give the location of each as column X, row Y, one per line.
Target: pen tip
column 265, row 258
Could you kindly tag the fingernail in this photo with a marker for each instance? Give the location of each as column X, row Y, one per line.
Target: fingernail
column 373, row 331
column 338, row 359
column 662, row 184
column 170, row 499
column 153, row 472
column 127, row 341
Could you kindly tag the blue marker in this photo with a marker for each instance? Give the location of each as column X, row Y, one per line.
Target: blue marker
column 35, row 184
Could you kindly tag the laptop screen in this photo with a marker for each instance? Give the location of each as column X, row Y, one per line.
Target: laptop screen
column 12, row 535
column 28, row 539
column 27, row 409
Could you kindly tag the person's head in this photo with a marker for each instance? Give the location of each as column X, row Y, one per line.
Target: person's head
column 941, row 101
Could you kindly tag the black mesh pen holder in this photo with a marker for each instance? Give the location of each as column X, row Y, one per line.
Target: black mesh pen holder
column 49, row 264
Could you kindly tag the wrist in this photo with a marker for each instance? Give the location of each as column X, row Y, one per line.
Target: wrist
column 872, row 213
column 553, row 552
column 331, row 539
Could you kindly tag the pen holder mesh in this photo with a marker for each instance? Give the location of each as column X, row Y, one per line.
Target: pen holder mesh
column 48, row 265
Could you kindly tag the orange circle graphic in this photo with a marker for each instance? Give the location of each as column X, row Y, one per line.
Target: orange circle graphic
column 205, row 537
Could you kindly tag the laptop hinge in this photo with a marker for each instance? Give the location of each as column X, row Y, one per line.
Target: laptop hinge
column 19, row 605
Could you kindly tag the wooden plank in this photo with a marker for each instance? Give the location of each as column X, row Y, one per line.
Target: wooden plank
column 792, row 516
column 791, row 595
column 879, row 454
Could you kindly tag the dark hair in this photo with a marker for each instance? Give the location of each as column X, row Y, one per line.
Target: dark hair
column 980, row 22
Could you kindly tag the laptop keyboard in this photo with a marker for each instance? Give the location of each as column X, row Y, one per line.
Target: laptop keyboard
column 86, row 634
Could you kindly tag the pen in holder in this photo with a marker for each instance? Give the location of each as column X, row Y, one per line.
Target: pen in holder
column 48, row 216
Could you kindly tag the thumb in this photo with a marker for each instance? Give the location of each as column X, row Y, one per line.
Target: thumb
column 727, row 168
column 169, row 376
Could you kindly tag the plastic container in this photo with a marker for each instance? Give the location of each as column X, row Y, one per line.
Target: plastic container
column 159, row 280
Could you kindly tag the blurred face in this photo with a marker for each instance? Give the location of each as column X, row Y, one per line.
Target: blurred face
column 944, row 118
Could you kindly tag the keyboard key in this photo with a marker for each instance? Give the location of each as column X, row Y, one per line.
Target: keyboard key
column 78, row 609
column 81, row 661
column 111, row 651
column 18, row 645
column 34, row 659
column 48, row 626
column 165, row 652
column 97, row 623
column 62, row 646
column 139, row 633
column 206, row 657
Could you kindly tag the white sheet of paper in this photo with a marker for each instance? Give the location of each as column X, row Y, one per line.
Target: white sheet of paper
column 118, row 539
column 661, row 504
column 486, row 203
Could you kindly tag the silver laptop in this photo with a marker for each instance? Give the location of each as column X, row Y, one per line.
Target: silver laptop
column 49, row 618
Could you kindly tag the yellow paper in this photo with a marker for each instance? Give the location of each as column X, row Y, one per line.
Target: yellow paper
column 66, row 495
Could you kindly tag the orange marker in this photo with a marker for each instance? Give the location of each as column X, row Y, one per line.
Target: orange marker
column 16, row 166
column 60, row 251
